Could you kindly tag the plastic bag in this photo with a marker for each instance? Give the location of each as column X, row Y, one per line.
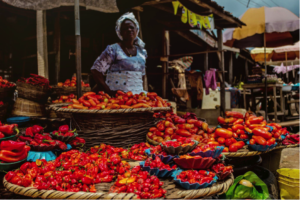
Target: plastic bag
column 238, row 191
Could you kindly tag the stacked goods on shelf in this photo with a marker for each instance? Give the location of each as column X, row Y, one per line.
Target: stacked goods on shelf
column 33, row 93
column 6, row 94
column 68, row 87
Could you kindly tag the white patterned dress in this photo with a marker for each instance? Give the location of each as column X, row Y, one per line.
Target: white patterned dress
column 123, row 72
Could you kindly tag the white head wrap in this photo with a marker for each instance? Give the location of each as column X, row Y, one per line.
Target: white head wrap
column 131, row 17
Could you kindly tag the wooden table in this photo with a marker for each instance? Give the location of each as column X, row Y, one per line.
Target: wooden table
column 273, row 97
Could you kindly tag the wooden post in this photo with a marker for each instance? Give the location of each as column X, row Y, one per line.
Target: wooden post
column 57, row 46
column 145, row 84
column 230, row 68
column 221, row 68
column 246, row 70
column 166, row 52
column 205, row 62
column 42, row 53
column 78, row 47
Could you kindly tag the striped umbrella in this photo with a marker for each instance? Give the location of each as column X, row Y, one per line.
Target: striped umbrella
column 266, row 27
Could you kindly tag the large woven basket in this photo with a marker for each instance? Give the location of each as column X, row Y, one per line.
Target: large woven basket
column 7, row 93
column 173, row 191
column 32, row 92
column 120, row 127
column 58, row 91
column 24, row 107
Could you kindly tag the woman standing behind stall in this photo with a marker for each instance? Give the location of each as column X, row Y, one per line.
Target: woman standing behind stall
column 124, row 62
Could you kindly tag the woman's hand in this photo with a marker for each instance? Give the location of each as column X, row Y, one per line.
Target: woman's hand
column 101, row 85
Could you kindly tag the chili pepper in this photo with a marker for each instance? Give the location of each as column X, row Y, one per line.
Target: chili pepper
column 63, row 129
column 183, row 133
column 9, row 153
column 10, row 175
column 259, row 140
column 256, row 120
column 77, row 106
column 61, row 145
column 262, row 133
column 16, row 180
column 234, row 114
column 12, row 145
column 9, row 129
column 221, row 132
column 237, row 127
column 29, row 131
column 37, row 129
column 11, row 159
column 2, row 135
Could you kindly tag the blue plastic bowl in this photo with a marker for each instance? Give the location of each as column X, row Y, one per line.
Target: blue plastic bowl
column 161, row 173
column 18, row 120
column 271, row 128
column 164, row 159
column 257, row 147
column 34, row 155
column 214, row 154
column 187, row 185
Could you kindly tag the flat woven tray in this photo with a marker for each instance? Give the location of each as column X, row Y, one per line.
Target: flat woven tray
column 173, row 191
column 57, row 108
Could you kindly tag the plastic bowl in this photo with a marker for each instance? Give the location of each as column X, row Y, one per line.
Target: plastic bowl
column 195, row 163
column 11, row 166
column 214, row 154
column 164, row 159
column 64, row 139
column 257, row 147
column 18, row 120
column 187, row 185
column 34, row 155
column 161, row 173
column 179, row 150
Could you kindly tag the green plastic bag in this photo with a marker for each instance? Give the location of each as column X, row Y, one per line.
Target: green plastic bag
column 238, row 191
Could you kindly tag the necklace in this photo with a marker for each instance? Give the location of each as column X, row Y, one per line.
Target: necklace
column 130, row 54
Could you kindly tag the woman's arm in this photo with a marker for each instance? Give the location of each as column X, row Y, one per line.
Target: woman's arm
column 100, row 80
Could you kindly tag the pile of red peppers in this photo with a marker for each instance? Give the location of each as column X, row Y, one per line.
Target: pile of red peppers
column 11, row 151
column 36, row 80
column 5, row 83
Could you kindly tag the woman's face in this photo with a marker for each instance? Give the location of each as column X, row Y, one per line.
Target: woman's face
column 128, row 30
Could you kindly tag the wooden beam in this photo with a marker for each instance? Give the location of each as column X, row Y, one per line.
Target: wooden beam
column 166, row 51
column 150, row 3
column 42, row 53
column 166, row 9
column 230, row 68
column 206, row 62
column 138, row 8
column 246, row 69
column 57, row 36
column 221, row 68
column 250, row 61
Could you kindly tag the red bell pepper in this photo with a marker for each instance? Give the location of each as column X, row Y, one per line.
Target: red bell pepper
column 63, row 129
column 12, row 145
column 37, row 129
column 9, row 129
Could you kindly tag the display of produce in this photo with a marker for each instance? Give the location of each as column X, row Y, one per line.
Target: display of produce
column 36, row 80
column 291, row 139
column 11, row 151
column 72, row 83
column 93, row 101
column 42, row 142
column 157, row 163
column 195, row 176
column 65, row 99
column 72, row 171
column 140, row 183
column 5, row 83
column 64, row 131
column 77, row 142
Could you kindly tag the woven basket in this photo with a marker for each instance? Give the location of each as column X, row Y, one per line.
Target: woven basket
column 58, row 91
column 119, row 127
column 173, row 191
column 32, row 92
column 254, row 153
column 24, row 107
column 151, row 141
column 7, row 93
column 3, row 111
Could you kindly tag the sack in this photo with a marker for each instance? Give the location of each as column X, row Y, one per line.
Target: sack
column 238, row 191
